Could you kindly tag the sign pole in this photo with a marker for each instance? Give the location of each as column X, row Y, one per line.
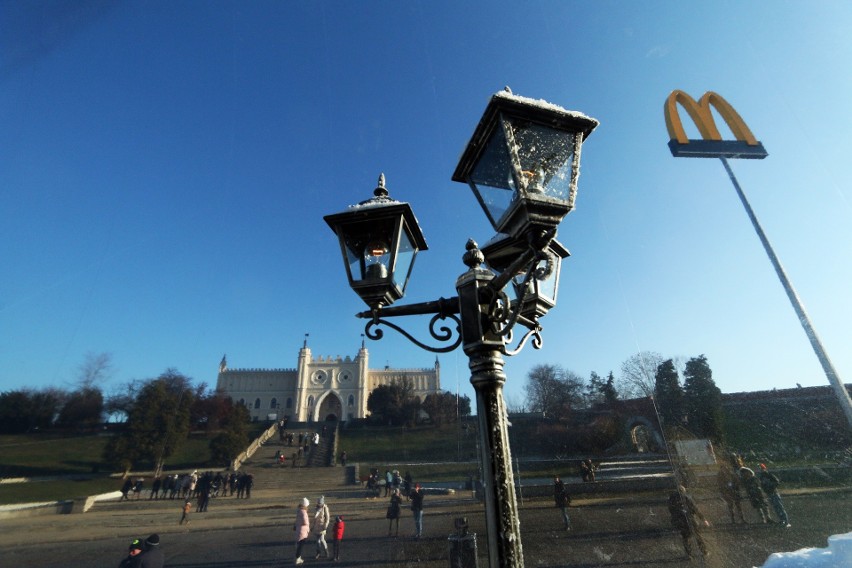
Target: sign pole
column 745, row 146
column 838, row 386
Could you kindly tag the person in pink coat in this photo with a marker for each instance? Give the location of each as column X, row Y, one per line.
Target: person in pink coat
column 302, row 527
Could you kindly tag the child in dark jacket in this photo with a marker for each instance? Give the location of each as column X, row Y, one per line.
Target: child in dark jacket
column 337, row 531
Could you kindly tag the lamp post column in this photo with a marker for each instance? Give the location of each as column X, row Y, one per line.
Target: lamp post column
column 501, row 508
column 483, row 348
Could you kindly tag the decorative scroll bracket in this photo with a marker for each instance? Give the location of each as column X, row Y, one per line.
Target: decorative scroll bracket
column 441, row 309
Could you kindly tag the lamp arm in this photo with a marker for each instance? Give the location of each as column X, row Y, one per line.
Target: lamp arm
column 499, row 282
column 442, row 309
column 538, row 244
column 444, row 333
column 530, row 259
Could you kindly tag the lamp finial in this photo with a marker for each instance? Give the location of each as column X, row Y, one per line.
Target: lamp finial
column 380, row 190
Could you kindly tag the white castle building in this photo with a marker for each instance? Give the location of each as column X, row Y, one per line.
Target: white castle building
column 318, row 389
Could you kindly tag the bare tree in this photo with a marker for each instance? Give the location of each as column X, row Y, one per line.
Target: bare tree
column 637, row 374
column 120, row 401
column 95, row 369
column 515, row 403
column 84, row 406
column 553, row 390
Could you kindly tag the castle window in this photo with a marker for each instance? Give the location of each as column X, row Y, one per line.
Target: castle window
column 242, row 402
column 351, row 400
column 289, row 403
column 310, row 401
column 257, row 403
column 273, row 403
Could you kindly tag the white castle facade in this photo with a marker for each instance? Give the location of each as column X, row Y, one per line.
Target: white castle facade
column 318, row 389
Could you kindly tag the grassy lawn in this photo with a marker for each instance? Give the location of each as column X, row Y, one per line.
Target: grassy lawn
column 429, row 453
column 386, row 444
column 40, row 456
column 446, row 453
column 39, row 492
column 459, row 471
column 29, row 455
column 48, row 454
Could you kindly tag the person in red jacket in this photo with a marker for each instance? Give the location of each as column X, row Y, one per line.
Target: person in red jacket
column 337, row 532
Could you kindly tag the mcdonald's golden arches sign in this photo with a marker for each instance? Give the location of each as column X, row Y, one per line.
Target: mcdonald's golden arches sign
column 711, row 144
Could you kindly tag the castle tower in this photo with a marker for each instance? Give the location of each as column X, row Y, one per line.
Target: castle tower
column 363, row 380
column 300, row 412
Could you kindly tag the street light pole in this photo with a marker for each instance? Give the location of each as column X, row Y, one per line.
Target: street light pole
column 485, row 360
column 503, row 526
column 522, row 164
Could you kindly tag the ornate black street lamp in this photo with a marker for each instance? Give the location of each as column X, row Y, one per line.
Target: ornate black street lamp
column 522, row 164
column 379, row 239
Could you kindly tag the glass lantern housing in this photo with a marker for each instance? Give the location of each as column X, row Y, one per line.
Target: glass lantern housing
column 539, row 293
column 523, row 162
column 379, row 239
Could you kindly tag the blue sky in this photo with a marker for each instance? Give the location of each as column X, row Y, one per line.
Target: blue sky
column 165, row 167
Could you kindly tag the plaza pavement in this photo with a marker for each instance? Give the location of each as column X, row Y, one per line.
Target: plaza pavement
column 613, row 530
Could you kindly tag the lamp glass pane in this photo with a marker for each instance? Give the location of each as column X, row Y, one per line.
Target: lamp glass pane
column 491, row 178
column 368, row 252
column 547, row 287
column 404, row 260
column 543, row 158
column 543, row 289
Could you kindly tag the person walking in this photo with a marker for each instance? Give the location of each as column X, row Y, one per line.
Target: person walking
column 187, row 507
column 755, row 493
column 134, row 550
column 729, row 489
column 394, row 509
column 249, row 484
column 203, row 500
column 152, row 556
column 320, row 525
column 337, row 534
column 769, row 483
column 562, row 500
column 416, row 496
column 302, row 527
column 406, row 484
column 683, row 512
column 587, row 470
column 138, row 486
column 125, row 489
column 155, row 488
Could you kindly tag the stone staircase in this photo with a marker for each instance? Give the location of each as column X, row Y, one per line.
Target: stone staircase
column 310, row 471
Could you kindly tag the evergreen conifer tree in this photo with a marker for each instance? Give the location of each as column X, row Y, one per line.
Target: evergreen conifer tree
column 703, row 399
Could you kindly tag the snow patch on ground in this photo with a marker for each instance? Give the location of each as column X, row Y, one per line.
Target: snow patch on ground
column 838, row 553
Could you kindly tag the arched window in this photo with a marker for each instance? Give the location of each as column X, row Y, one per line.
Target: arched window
column 310, row 400
column 273, row 403
column 257, row 403
column 242, row 402
column 289, row 403
column 351, row 400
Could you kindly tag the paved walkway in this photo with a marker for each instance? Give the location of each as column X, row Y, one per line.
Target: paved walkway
column 276, row 489
column 616, row 531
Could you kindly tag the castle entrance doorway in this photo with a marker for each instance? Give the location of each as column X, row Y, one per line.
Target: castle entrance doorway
column 330, row 408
